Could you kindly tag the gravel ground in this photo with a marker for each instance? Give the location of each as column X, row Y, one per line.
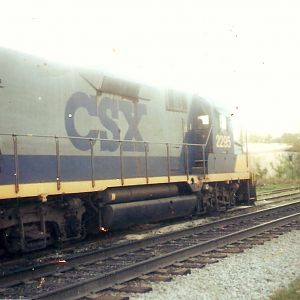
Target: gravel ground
column 253, row 274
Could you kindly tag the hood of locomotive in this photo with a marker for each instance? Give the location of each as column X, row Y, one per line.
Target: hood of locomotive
column 89, row 113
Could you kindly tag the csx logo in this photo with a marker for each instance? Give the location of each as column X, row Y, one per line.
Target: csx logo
column 107, row 111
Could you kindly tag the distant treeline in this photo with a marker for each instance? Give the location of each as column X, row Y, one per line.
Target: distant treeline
column 287, row 138
column 286, row 166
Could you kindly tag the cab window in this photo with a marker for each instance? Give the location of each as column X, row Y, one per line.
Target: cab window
column 223, row 122
column 203, row 119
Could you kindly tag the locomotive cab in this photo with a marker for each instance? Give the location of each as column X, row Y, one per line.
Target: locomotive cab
column 222, row 132
column 212, row 132
column 222, row 158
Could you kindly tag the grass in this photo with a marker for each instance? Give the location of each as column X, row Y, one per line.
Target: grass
column 292, row 292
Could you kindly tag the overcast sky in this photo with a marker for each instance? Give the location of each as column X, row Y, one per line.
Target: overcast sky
column 244, row 54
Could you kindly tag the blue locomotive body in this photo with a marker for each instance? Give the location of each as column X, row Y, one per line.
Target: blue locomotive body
column 82, row 149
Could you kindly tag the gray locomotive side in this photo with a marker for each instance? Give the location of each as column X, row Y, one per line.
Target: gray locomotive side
column 43, row 101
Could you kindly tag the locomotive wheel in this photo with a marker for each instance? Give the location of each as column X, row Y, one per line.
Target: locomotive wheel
column 11, row 240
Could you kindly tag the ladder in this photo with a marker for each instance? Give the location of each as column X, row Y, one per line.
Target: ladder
column 200, row 165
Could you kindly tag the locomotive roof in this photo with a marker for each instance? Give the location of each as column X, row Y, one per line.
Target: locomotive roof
column 112, row 76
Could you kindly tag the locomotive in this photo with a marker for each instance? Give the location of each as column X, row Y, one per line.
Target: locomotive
column 83, row 151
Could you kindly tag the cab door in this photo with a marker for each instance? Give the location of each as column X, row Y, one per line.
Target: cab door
column 201, row 131
column 222, row 159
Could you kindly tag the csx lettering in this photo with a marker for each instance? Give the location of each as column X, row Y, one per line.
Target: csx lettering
column 108, row 112
column 223, row 141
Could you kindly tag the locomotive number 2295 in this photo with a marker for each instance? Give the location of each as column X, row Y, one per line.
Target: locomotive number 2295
column 223, row 141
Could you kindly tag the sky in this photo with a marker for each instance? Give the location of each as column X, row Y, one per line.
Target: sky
column 244, row 55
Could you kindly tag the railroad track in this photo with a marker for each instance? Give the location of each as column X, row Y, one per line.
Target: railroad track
column 278, row 193
column 278, row 198
column 289, row 189
column 99, row 270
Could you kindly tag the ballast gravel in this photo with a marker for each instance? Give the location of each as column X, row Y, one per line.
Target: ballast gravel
column 252, row 274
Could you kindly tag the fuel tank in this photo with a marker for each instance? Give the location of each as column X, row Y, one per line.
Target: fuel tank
column 138, row 193
column 122, row 215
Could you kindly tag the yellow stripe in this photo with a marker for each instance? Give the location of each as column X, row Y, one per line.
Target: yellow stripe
column 227, row 176
column 50, row 188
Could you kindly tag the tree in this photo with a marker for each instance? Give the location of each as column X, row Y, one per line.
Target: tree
column 259, row 171
column 281, row 168
column 288, row 167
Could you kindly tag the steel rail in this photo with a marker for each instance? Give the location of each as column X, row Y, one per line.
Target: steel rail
column 278, row 191
column 294, row 194
column 76, row 290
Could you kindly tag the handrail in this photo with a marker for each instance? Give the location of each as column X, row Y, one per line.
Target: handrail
column 186, row 161
column 92, row 163
column 146, row 162
column 185, row 152
column 168, row 162
column 16, row 161
column 206, row 142
column 121, row 163
column 57, row 163
column 96, row 139
column 203, row 151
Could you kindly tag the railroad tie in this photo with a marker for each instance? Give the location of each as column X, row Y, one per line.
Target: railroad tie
column 134, row 289
column 175, row 271
column 230, row 250
column 191, row 265
column 156, row 278
column 214, row 255
column 203, row 260
column 105, row 297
